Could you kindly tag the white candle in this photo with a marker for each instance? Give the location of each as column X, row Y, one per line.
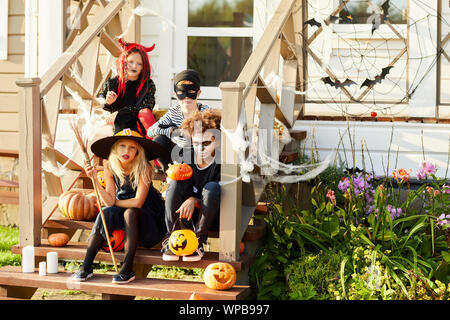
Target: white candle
column 28, row 259
column 42, row 267
column 52, row 262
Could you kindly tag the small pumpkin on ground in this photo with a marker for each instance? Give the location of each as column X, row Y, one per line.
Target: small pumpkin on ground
column 76, row 205
column 58, row 239
column 219, row 276
column 179, row 171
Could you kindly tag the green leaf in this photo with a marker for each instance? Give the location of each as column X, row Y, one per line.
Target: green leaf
column 441, row 272
column 288, row 231
column 446, row 256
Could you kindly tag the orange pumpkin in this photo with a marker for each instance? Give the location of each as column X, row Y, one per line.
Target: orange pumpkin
column 219, row 276
column 195, row 296
column 117, row 241
column 179, row 171
column 241, row 247
column 76, row 205
column 58, row 239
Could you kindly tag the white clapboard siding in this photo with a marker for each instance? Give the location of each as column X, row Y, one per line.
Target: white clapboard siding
column 406, row 138
column 158, row 29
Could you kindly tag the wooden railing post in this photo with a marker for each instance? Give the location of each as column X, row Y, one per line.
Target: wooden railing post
column 30, row 156
column 231, row 194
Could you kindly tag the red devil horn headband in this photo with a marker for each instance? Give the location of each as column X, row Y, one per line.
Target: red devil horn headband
column 126, row 46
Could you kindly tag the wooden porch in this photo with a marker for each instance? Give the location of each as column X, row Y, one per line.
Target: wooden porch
column 40, row 101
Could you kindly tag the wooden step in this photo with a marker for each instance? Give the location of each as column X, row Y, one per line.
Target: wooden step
column 12, row 277
column 77, row 251
column 288, row 156
column 57, row 220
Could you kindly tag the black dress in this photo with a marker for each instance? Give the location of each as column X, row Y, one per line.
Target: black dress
column 129, row 100
column 152, row 226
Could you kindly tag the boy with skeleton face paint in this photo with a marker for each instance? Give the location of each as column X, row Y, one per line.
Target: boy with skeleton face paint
column 165, row 130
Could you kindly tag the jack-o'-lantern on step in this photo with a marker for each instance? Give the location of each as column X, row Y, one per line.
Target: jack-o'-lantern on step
column 179, row 171
column 183, row 242
column 219, row 276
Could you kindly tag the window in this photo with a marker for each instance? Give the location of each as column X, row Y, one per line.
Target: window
column 3, row 29
column 220, row 40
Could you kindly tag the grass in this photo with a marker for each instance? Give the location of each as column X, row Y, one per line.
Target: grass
column 9, row 236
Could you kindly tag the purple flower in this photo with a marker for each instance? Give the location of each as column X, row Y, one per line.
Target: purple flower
column 443, row 219
column 344, row 184
column 425, row 169
column 445, row 188
column 395, row 213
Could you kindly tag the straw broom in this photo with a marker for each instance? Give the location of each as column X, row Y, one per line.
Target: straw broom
column 83, row 146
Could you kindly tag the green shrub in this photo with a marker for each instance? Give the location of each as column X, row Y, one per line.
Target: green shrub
column 309, row 276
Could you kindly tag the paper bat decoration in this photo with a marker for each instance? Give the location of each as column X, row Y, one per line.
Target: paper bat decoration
column 385, row 6
column 312, row 22
column 353, row 170
column 378, row 78
column 337, row 83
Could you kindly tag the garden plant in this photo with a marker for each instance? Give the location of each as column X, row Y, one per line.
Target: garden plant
column 360, row 239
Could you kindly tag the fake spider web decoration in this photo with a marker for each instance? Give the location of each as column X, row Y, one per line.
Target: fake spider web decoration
column 361, row 68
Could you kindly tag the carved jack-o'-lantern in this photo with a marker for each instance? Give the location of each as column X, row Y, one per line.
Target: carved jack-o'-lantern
column 219, row 276
column 76, row 205
column 183, row 242
column 117, row 241
column 179, row 171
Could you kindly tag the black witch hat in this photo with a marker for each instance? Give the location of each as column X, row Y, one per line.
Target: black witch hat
column 126, row 125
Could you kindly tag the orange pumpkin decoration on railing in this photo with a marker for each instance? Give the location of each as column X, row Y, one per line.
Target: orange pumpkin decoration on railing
column 219, row 276
column 76, row 205
column 179, row 171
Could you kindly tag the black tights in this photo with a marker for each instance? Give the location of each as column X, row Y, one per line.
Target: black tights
column 96, row 242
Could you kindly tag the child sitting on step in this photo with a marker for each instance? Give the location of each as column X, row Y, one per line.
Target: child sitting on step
column 197, row 198
column 165, row 130
column 132, row 203
column 132, row 87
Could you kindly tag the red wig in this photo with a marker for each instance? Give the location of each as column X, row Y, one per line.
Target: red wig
column 127, row 49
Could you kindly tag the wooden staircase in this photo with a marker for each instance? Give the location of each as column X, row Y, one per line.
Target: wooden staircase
column 41, row 103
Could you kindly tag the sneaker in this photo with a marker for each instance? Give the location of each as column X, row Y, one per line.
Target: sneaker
column 123, row 278
column 197, row 255
column 82, row 275
column 168, row 255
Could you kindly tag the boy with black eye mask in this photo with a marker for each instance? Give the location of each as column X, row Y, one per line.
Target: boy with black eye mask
column 165, row 130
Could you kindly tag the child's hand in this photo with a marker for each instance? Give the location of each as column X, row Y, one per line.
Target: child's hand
column 111, row 97
column 91, row 171
column 187, row 208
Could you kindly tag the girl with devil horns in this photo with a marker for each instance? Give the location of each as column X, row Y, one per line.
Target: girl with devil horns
column 132, row 87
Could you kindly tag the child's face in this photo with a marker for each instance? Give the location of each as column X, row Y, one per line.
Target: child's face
column 134, row 66
column 187, row 94
column 204, row 145
column 126, row 150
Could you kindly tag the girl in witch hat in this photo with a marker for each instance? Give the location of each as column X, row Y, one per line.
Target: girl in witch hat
column 132, row 203
column 132, row 87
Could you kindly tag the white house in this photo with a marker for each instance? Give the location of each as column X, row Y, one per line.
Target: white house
column 412, row 102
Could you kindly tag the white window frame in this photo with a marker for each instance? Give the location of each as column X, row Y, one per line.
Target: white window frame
column 184, row 31
column 3, row 29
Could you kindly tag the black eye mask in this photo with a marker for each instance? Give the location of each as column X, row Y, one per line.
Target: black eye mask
column 185, row 88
